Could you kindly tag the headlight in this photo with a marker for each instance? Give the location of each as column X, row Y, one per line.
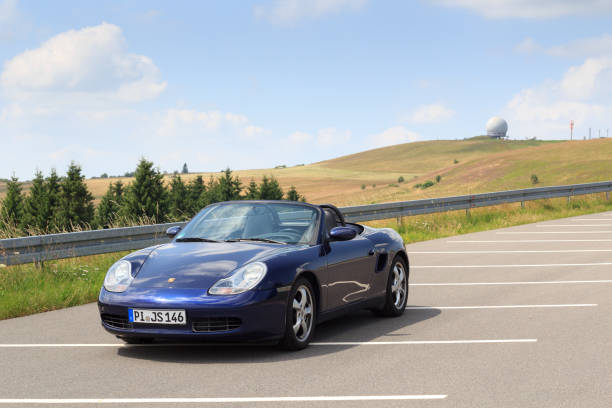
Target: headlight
column 245, row 278
column 118, row 277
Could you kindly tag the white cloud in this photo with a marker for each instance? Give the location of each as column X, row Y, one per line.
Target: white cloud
column 289, row 11
column 584, row 47
column 531, row 8
column 394, row 135
column 433, row 113
column 589, row 80
column 92, row 61
column 582, row 95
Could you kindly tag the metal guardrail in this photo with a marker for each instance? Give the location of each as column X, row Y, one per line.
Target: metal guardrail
column 14, row 251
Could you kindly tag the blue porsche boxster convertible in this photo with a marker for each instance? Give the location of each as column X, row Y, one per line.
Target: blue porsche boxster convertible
column 255, row 270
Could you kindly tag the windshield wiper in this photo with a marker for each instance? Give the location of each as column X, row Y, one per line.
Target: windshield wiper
column 195, row 239
column 271, row 241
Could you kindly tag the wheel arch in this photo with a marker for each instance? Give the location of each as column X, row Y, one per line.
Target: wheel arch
column 316, row 286
column 402, row 254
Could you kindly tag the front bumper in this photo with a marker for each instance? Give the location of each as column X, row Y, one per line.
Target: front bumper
column 257, row 315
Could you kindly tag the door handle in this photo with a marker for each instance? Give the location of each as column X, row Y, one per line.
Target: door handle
column 371, row 252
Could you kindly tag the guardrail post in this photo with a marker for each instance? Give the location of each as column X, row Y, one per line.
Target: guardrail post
column 400, row 220
column 607, row 196
column 522, row 204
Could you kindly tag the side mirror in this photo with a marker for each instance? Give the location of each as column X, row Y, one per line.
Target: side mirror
column 172, row 231
column 342, row 234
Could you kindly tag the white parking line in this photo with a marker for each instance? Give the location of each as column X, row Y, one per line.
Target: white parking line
column 501, row 306
column 417, row 342
column 572, row 225
column 508, row 266
column 520, row 251
column 509, row 283
column 48, row 401
column 527, row 240
column 592, row 219
column 552, row 232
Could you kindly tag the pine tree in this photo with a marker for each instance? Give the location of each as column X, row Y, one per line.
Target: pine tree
column 147, row 196
column 37, row 211
column 75, row 201
column 213, row 192
column 12, row 205
column 52, row 187
column 196, row 198
column 229, row 187
column 269, row 189
column 185, row 169
column 293, row 195
column 110, row 205
column 252, row 191
column 179, row 199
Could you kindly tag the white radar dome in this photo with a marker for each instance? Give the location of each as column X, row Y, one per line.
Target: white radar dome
column 497, row 127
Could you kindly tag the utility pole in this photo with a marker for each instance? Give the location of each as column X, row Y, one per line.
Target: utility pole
column 589, row 133
column 599, row 134
column 572, row 129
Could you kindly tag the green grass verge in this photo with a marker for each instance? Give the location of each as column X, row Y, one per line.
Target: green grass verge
column 28, row 289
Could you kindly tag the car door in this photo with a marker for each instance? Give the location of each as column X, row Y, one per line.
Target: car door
column 350, row 267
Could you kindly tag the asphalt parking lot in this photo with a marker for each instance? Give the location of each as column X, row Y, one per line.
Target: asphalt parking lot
column 518, row 317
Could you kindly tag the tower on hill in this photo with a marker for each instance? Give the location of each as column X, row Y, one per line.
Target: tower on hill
column 497, row 127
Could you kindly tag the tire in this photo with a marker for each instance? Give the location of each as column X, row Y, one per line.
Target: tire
column 301, row 313
column 395, row 306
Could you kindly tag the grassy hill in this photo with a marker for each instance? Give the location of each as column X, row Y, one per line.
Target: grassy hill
column 466, row 166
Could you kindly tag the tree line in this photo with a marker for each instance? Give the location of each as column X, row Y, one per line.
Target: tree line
column 56, row 204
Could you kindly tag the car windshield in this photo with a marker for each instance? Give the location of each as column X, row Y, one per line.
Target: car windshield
column 253, row 221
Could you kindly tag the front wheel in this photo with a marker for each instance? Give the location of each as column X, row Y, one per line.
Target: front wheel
column 397, row 289
column 300, row 317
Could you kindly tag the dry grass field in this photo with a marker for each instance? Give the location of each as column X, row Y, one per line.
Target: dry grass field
column 465, row 166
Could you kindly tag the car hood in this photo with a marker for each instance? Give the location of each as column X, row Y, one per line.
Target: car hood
column 199, row 264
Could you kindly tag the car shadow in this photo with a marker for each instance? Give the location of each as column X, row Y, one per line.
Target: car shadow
column 361, row 326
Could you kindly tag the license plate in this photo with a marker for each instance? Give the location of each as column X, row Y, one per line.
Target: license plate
column 158, row 316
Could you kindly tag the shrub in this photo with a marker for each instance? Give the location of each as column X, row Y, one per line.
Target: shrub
column 438, row 178
column 373, row 185
column 418, row 185
column 400, row 179
column 534, row 179
column 455, row 161
column 393, row 185
column 363, row 186
column 427, row 184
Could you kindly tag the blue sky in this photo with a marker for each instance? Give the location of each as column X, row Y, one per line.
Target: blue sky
column 252, row 84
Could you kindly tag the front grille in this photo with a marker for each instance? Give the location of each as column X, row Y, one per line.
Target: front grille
column 116, row 321
column 216, row 324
